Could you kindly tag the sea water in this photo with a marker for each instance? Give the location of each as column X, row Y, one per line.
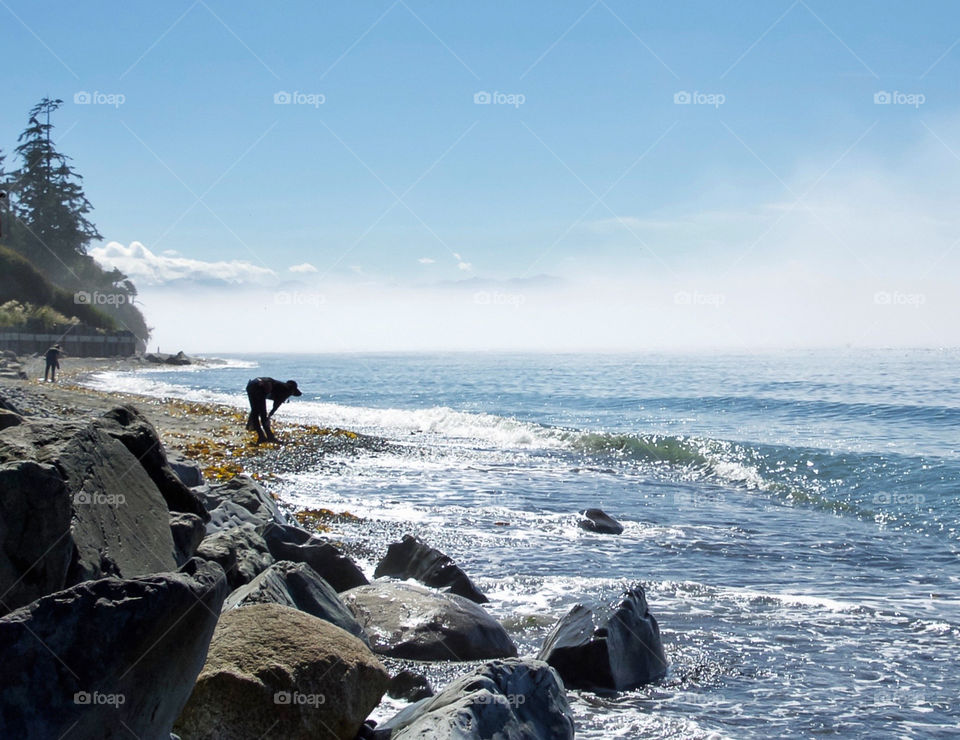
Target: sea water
column 794, row 516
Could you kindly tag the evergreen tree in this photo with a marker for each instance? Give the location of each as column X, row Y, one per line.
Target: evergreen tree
column 51, row 208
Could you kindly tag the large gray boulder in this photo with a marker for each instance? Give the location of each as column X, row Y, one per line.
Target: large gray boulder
column 412, row 558
column 273, row 671
column 246, row 492
column 298, row 586
column 292, row 543
column 230, row 514
column 188, row 531
column 185, row 469
column 71, row 487
column 35, row 544
column 240, row 551
column 510, row 699
column 109, row 658
column 406, row 620
column 618, row 649
column 132, row 429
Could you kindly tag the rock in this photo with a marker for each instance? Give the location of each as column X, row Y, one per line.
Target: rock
column 240, row 551
column 273, row 671
column 298, row 586
column 9, row 419
column 515, row 699
column 188, row 531
column 129, row 426
column 186, row 470
column 109, row 658
column 412, row 558
column 619, row 650
column 405, row 620
column 246, row 492
column 35, row 547
column 8, row 406
column 292, row 543
column 597, row 520
column 229, row 514
column 178, row 359
column 409, row 686
column 105, row 508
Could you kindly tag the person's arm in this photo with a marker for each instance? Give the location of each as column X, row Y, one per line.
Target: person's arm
column 276, row 404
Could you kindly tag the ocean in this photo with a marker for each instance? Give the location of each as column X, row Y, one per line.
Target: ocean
column 794, row 516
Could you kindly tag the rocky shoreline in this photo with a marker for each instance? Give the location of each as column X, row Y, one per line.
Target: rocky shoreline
column 150, row 583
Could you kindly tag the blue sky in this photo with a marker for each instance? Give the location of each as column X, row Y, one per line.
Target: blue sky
column 592, row 173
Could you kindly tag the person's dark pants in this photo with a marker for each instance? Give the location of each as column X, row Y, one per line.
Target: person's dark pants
column 50, row 370
column 259, row 420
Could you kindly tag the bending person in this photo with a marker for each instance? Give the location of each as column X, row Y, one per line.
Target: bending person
column 258, row 391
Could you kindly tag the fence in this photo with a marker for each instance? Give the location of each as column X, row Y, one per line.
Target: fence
column 119, row 344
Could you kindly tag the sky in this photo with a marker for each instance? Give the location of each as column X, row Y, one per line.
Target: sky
column 595, row 175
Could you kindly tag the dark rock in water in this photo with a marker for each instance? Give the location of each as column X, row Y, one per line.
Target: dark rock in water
column 597, row 520
column 129, row 426
column 412, row 558
column 404, row 620
column 105, row 508
column 9, row 419
column 178, row 359
column 277, row 672
column 292, row 543
column 516, row 699
column 35, row 513
column 109, row 658
column 188, row 531
column 245, row 492
column 618, row 651
column 240, row 551
column 409, row 686
column 186, row 470
column 298, row 586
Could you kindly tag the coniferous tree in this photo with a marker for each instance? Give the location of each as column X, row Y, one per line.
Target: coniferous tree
column 51, row 207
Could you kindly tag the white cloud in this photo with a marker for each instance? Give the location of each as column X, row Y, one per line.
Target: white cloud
column 426, row 260
column 305, row 267
column 146, row 268
column 461, row 263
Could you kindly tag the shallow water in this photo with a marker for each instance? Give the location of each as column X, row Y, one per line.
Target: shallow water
column 794, row 516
